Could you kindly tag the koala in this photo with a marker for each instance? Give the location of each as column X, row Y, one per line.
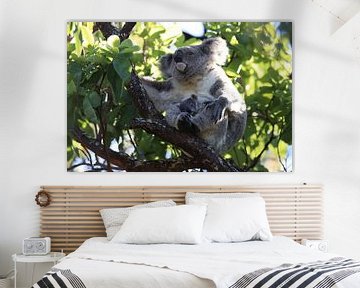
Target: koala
column 197, row 96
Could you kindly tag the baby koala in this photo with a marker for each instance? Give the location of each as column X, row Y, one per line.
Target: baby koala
column 198, row 97
column 189, row 107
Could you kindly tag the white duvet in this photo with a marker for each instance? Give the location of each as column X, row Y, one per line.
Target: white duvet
column 100, row 263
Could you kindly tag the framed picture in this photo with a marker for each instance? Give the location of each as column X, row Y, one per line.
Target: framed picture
column 179, row 96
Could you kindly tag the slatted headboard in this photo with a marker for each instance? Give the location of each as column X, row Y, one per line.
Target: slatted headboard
column 73, row 214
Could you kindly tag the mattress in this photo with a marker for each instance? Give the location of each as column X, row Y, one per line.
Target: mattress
column 99, row 263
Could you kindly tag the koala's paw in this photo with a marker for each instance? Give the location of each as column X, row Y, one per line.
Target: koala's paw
column 189, row 105
column 216, row 110
column 185, row 124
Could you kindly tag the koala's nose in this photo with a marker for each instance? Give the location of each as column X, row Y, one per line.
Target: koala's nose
column 178, row 56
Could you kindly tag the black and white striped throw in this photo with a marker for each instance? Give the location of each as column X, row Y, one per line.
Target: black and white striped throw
column 320, row 274
column 58, row 278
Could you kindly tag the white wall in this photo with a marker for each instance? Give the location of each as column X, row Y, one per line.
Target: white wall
column 33, row 108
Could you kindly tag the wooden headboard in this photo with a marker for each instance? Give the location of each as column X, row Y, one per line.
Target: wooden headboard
column 73, row 214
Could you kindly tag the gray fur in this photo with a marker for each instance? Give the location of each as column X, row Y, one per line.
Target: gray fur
column 190, row 105
column 165, row 64
column 216, row 88
column 198, row 97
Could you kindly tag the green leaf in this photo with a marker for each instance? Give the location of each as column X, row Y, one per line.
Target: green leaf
column 112, row 115
column 155, row 31
column 127, row 47
column 260, row 168
column 70, row 153
column 128, row 111
column 71, row 88
column 129, row 50
column 126, row 44
column 231, row 73
column 71, row 114
column 89, row 111
column 95, row 99
column 266, row 90
column 192, row 41
column 113, row 41
column 95, row 77
column 78, row 45
column 87, row 35
column 116, row 82
column 235, row 65
column 70, row 48
column 75, row 72
column 287, row 132
column 243, row 39
column 122, row 67
column 88, row 129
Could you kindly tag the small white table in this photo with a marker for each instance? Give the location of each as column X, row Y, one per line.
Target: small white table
column 53, row 257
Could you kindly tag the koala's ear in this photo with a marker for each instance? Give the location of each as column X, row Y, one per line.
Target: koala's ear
column 216, row 48
column 165, row 65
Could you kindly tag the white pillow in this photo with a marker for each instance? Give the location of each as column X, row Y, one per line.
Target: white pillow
column 203, row 198
column 113, row 218
column 236, row 220
column 180, row 224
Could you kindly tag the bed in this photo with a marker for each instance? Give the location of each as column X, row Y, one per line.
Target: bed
column 294, row 211
column 98, row 263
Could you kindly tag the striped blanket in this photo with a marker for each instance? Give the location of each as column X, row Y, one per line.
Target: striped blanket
column 320, row 274
column 58, row 278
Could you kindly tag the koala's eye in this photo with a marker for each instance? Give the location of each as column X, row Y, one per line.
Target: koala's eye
column 190, row 53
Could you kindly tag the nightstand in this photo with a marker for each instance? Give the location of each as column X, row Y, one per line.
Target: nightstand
column 320, row 245
column 53, row 257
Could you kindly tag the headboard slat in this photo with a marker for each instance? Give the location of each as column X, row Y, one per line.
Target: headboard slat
column 73, row 216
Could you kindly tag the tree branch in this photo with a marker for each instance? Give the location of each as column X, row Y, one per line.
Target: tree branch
column 125, row 162
column 78, row 165
column 141, row 100
column 119, row 159
column 107, row 29
column 126, row 30
column 200, row 152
